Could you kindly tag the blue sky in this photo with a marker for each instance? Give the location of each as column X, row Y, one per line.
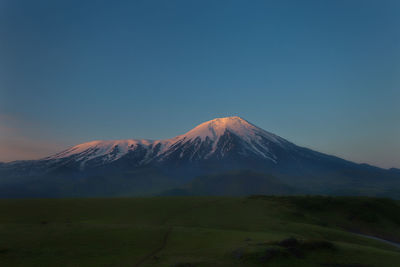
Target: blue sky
column 322, row 74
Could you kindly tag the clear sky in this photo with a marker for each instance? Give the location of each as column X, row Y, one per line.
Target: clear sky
column 322, row 74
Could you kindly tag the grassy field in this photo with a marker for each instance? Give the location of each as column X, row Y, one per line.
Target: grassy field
column 199, row 231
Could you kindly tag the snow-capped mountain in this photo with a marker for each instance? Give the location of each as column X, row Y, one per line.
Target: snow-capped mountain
column 137, row 167
column 211, row 139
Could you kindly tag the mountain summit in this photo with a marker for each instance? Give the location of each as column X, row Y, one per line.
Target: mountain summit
column 219, row 138
column 215, row 128
column 222, row 145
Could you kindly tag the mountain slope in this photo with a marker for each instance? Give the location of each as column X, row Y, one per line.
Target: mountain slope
column 214, row 147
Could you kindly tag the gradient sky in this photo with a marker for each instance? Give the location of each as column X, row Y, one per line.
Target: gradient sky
column 322, row 74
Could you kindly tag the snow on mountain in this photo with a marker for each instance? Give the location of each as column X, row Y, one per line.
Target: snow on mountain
column 205, row 138
column 254, row 139
column 111, row 150
column 215, row 128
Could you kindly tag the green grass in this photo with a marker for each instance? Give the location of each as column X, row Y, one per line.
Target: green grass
column 198, row 231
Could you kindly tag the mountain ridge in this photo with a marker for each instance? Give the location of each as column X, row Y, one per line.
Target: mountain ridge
column 208, row 131
column 216, row 146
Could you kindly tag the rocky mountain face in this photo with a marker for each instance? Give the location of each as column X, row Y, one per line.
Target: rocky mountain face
column 220, row 146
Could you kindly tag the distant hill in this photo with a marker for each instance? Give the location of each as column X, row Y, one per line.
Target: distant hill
column 233, row 183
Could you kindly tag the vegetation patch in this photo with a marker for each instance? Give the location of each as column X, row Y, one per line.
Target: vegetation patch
column 4, row 250
column 299, row 248
column 344, row 265
column 183, row 264
column 207, row 231
column 283, row 249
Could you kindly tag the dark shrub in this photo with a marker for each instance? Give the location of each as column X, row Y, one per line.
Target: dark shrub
column 238, row 253
column 295, row 251
column 271, row 253
column 183, row 264
column 288, row 243
column 318, row 244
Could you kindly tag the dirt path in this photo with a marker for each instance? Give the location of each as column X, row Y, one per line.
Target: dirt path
column 169, row 231
column 156, row 250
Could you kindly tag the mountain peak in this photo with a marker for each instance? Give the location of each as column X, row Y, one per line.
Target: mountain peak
column 215, row 128
column 228, row 119
column 227, row 122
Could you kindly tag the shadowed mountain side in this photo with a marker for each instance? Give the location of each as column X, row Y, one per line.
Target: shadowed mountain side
column 140, row 182
column 233, row 183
